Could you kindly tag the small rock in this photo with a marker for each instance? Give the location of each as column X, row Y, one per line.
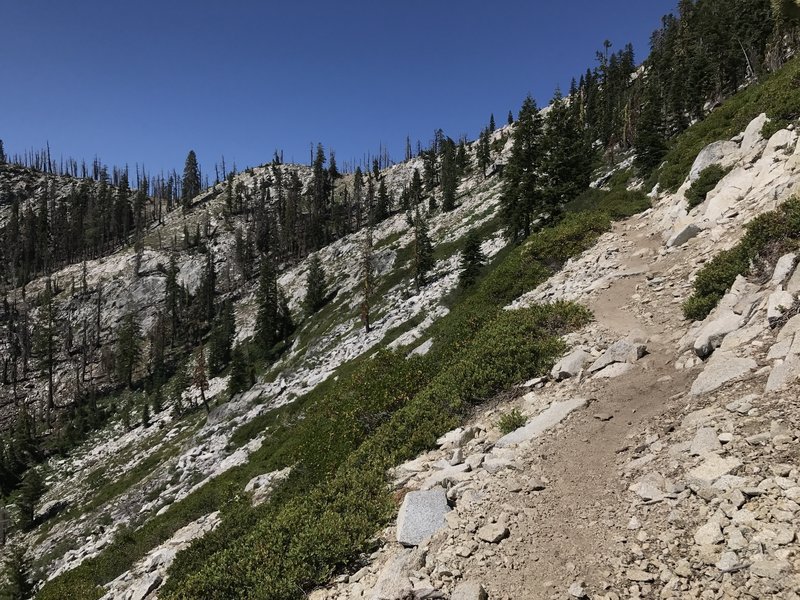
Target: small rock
column 469, row 590
column 493, row 533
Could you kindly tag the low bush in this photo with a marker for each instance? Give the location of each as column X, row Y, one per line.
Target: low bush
column 766, row 237
column 707, row 181
column 511, row 421
column 379, row 411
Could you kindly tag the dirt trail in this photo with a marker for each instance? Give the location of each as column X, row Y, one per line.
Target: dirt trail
column 567, row 531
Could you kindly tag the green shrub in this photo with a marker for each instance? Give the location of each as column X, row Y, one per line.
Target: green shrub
column 511, row 421
column 707, row 181
column 618, row 203
column 766, row 237
column 380, row 411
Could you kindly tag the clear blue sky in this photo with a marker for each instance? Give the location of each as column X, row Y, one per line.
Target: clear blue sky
column 142, row 82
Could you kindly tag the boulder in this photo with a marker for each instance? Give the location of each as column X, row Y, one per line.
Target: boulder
column 711, row 469
column 719, row 370
column 623, row 351
column 147, row 585
column 783, row 269
column 783, row 373
column 710, row 336
column 793, row 285
column 614, row 370
column 705, row 441
column 421, row 515
column 570, row 365
column 394, row 580
column 780, row 141
column 682, row 234
column 469, row 590
column 752, row 140
column 493, row 533
column 777, row 305
column 551, row 416
column 724, row 153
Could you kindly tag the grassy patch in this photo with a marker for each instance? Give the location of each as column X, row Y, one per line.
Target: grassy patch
column 766, row 237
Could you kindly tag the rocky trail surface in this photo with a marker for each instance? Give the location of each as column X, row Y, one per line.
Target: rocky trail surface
column 659, row 459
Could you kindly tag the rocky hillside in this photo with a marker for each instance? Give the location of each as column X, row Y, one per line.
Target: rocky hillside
column 607, row 413
column 658, row 459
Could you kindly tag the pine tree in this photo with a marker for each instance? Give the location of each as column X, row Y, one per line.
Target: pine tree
column 30, row 492
column 491, row 124
column 367, row 278
column 484, row 152
column 382, row 204
column 45, row 343
column 128, row 343
column 423, row 250
column 449, row 175
column 315, row 286
column 522, row 194
column 472, row 260
column 200, row 378
column 17, row 575
column 567, row 160
column 239, row 379
column 415, row 189
column 146, row 413
column 191, row 180
column 510, row 119
column 267, row 300
column 650, row 143
column 2, row 154
column 221, row 342
column 172, row 296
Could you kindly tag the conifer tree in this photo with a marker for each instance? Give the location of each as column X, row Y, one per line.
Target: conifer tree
column 191, row 180
column 315, row 286
column 127, row 355
column 522, row 194
column 491, row 124
column 2, row 154
column 30, row 492
column 200, row 378
column 472, row 260
column 238, row 381
column 367, row 278
column 172, row 296
column 484, row 152
column 415, row 189
column 423, row 250
column 267, row 300
column 510, row 119
column 567, row 158
column 17, row 575
column 382, row 204
column 145, row 413
column 449, row 175
column 221, row 339
column 650, row 143
column 45, row 343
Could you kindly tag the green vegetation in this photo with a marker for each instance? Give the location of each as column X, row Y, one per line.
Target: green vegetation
column 511, row 421
column 767, row 236
column 707, row 181
column 777, row 94
column 341, row 438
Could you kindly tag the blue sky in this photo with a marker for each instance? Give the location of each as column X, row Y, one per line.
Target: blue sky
column 143, row 82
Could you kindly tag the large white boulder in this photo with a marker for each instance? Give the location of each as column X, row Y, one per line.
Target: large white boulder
column 724, row 153
column 421, row 515
column 752, row 140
